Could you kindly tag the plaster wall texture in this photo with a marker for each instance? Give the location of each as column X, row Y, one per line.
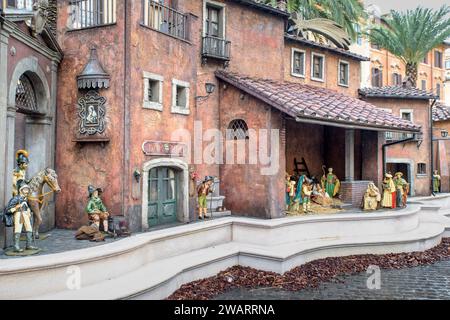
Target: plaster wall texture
column 330, row 69
column 411, row 152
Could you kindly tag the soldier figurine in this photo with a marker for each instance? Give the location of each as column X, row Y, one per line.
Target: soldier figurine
column 96, row 209
column 20, row 211
column 20, row 172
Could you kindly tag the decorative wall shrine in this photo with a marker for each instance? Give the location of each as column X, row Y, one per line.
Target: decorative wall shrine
column 92, row 106
column 91, row 111
column 163, row 148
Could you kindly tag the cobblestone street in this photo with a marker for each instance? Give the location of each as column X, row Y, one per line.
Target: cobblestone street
column 424, row 282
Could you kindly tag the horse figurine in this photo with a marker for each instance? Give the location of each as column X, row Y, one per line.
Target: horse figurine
column 38, row 199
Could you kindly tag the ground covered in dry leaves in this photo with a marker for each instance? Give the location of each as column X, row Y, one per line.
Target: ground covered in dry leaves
column 309, row 275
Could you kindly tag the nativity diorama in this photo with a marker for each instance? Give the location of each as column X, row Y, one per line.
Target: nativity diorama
column 306, row 195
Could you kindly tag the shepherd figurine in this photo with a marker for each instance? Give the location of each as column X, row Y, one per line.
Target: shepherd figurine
column 203, row 190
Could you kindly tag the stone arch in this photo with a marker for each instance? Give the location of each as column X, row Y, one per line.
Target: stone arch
column 183, row 168
column 30, row 67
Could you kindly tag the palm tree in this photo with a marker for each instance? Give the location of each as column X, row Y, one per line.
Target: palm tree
column 346, row 13
column 412, row 34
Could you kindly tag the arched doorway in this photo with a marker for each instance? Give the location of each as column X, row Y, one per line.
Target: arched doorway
column 165, row 192
column 30, row 124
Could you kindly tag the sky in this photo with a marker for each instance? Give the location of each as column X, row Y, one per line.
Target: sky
column 387, row 5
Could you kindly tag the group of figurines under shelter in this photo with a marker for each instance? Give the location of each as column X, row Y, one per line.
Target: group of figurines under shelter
column 307, row 195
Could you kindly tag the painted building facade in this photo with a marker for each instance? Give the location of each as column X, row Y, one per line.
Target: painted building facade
column 151, row 92
column 29, row 59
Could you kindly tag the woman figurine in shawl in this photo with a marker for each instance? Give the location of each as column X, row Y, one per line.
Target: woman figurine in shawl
column 388, row 192
column 436, row 181
column 371, row 198
column 330, row 182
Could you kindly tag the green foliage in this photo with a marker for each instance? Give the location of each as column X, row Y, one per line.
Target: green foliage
column 412, row 34
column 345, row 13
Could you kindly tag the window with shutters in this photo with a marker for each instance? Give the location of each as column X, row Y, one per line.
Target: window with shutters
column 424, row 85
column 377, row 77
column 317, row 67
column 298, row 63
column 396, row 79
column 438, row 63
column 344, row 68
column 421, row 168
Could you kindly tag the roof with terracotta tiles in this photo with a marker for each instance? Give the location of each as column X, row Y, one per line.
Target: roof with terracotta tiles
column 329, row 48
column 441, row 112
column 397, row 92
column 319, row 105
column 264, row 7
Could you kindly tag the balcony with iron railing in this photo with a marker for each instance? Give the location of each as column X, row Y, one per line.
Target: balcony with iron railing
column 164, row 19
column 216, row 48
column 17, row 5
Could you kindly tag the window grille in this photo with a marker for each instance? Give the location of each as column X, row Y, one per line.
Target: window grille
column 25, row 95
column 237, row 130
column 92, row 13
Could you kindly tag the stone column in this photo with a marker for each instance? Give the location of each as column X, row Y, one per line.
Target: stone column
column 3, row 112
column 349, row 155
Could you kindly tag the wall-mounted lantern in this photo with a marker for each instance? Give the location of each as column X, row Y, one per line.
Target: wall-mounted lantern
column 209, row 88
column 137, row 175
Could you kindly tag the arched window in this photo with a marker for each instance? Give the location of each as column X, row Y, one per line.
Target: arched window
column 25, row 95
column 237, row 130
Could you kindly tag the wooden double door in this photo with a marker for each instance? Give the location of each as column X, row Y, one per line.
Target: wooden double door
column 163, row 197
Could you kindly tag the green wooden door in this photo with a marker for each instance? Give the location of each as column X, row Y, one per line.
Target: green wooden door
column 162, row 196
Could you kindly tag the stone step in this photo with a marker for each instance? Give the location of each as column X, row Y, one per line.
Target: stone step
column 158, row 279
column 220, row 214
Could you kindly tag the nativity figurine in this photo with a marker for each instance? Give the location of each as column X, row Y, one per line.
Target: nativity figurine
column 330, row 182
column 372, row 197
column 389, row 196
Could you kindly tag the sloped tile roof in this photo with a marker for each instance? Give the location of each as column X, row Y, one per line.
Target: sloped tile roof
column 441, row 112
column 264, row 7
column 396, row 92
column 329, row 48
column 317, row 104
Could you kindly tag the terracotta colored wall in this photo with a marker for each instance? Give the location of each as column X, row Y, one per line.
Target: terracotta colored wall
column 331, row 69
column 427, row 72
column 307, row 141
column 442, row 154
column 410, row 150
column 249, row 192
column 81, row 165
column 23, row 51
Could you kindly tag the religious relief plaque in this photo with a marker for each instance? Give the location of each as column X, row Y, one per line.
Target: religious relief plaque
column 164, row 148
column 91, row 112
